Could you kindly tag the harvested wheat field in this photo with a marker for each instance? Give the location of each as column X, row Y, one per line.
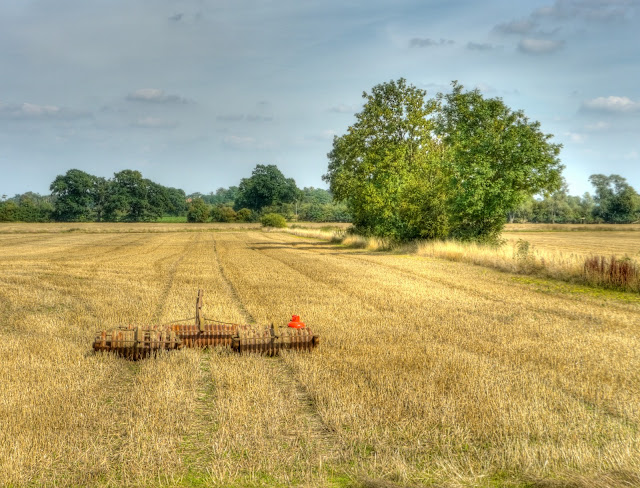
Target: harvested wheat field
column 430, row 372
column 619, row 243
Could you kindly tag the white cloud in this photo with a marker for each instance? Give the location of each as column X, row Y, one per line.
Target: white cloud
column 481, row 46
column 344, row 109
column 154, row 123
column 426, row 42
column 246, row 142
column 595, row 10
column 576, row 137
column 631, row 155
column 539, row 46
column 598, row 126
column 155, row 95
column 259, row 118
column 515, row 27
column 612, row 104
column 230, row 118
column 485, row 88
column 33, row 111
column 241, row 117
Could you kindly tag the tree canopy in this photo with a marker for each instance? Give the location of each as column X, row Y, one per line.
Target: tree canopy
column 267, row 186
column 452, row 166
column 495, row 158
column 75, row 196
column 616, row 200
column 79, row 196
column 375, row 166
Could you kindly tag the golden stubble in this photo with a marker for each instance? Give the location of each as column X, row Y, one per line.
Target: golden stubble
column 429, row 370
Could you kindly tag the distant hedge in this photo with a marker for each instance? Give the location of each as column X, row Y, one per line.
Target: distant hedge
column 273, row 220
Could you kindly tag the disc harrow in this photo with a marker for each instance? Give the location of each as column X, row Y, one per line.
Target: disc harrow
column 139, row 342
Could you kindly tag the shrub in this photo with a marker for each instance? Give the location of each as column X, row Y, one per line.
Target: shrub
column 612, row 272
column 223, row 213
column 244, row 215
column 273, row 220
column 198, row 211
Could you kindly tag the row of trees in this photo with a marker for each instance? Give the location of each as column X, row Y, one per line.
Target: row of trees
column 614, row 201
column 78, row 196
column 266, row 191
column 28, row 207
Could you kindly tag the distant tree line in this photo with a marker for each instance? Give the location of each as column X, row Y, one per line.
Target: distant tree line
column 614, row 201
column 266, row 191
column 28, row 207
column 78, row 196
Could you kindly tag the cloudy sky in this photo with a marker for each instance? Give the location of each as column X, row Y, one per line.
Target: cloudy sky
column 195, row 93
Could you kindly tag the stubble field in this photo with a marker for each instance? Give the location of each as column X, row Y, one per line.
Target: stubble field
column 430, row 372
column 608, row 240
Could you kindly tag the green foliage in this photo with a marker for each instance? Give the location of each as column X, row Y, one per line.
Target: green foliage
column 324, row 212
column 9, row 211
column 374, row 167
column 266, row 186
column 311, row 205
column 495, row 157
column 175, row 201
column 223, row 196
column 223, row 213
column 79, row 196
column 244, row 215
column 615, row 200
column 198, row 211
column 172, row 219
column 450, row 167
column 28, row 207
column 136, row 199
column 318, row 196
column 557, row 207
column 75, row 196
column 273, row 220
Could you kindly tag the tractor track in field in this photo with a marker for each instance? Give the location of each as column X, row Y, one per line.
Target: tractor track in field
column 231, row 289
column 451, row 284
column 173, row 269
column 284, row 372
column 580, row 399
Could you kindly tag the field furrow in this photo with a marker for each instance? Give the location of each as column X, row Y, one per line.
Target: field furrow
column 428, row 372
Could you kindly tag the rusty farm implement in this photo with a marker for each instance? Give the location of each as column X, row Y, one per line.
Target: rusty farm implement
column 139, row 342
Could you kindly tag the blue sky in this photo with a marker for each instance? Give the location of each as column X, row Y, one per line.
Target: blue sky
column 195, row 93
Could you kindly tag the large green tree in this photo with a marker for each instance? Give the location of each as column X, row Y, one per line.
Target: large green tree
column 386, row 166
column 615, row 200
column 75, row 196
column 266, row 187
column 198, row 211
column 450, row 167
column 496, row 157
column 136, row 199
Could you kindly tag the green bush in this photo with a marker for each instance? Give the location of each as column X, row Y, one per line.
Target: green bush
column 273, row 220
column 198, row 211
column 244, row 215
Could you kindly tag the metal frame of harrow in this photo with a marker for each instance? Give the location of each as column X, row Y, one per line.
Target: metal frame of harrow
column 141, row 342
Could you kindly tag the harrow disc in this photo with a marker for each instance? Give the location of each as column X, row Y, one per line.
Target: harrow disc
column 266, row 341
column 136, row 343
column 205, row 335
